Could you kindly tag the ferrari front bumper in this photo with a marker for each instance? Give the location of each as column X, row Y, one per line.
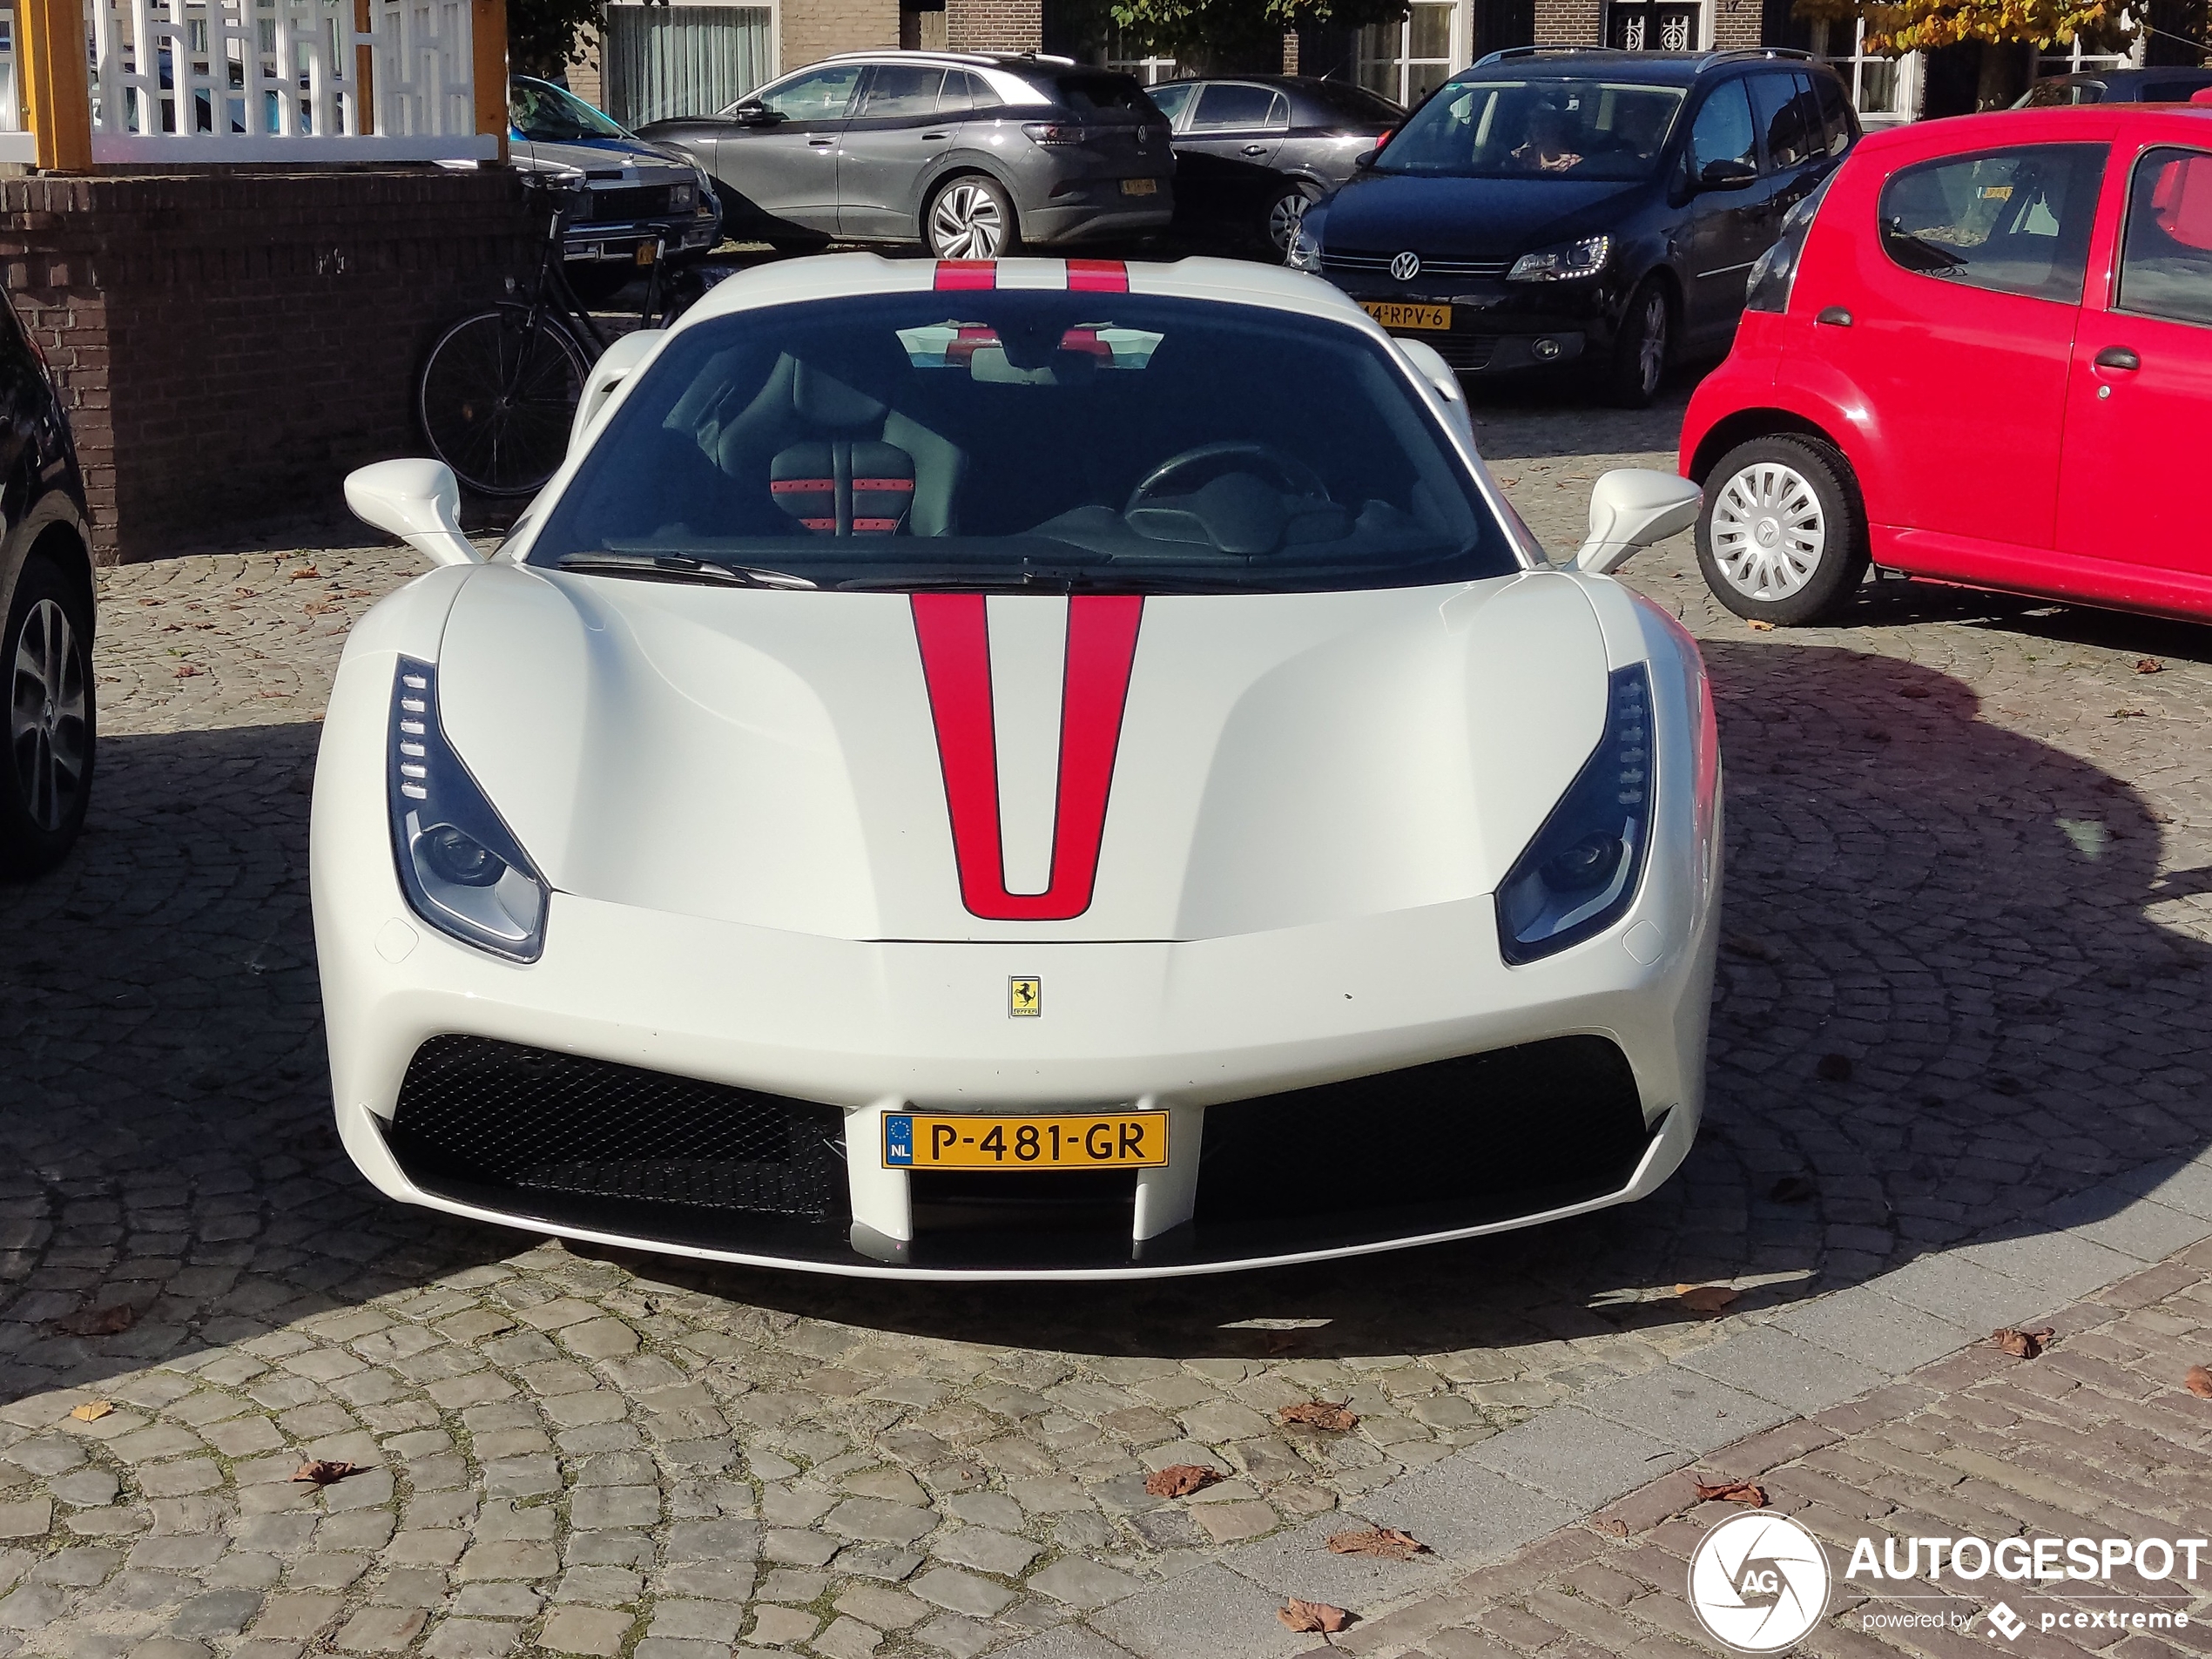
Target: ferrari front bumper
column 1393, row 1046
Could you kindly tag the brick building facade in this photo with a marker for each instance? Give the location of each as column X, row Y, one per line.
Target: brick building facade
column 230, row 344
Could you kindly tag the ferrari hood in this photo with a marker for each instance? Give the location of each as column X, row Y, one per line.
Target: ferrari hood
column 947, row 766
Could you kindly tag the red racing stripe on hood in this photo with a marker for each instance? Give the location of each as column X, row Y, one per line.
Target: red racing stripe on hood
column 953, row 634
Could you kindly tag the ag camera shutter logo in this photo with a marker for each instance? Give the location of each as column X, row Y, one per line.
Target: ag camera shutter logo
column 1759, row 1582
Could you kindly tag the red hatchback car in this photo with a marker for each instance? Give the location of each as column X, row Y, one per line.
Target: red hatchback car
column 1982, row 355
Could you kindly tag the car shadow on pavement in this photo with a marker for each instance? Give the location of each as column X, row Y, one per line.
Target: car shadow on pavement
column 1945, row 999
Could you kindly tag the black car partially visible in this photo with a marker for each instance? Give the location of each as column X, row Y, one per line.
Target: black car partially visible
column 46, row 596
column 1555, row 206
column 1252, row 154
column 2154, row 85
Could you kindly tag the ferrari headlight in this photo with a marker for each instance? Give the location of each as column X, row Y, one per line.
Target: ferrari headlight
column 463, row 872
column 1579, row 876
column 1584, row 259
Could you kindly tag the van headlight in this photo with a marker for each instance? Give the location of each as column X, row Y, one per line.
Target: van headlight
column 1580, row 874
column 1305, row 251
column 461, row 869
column 1584, row 259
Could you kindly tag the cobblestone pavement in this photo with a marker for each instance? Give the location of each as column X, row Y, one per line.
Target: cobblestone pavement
column 2096, row 1438
column 1966, row 933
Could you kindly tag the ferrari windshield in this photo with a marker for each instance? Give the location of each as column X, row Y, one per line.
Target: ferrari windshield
column 1021, row 438
column 1551, row 126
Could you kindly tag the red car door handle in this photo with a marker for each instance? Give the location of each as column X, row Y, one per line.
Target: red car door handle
column 1834, row 317
column 2118, row 357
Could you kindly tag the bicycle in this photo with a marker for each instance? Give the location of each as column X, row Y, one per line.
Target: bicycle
column 497, row 391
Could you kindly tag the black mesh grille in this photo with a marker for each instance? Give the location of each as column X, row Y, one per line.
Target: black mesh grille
column 497, row 1114
column 1513, row 1132
column 1462, row 351
column 610, row 206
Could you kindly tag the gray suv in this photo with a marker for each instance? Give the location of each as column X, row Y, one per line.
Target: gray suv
column 973, row 155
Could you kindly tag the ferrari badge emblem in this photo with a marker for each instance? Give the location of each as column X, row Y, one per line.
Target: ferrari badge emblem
column 1024, row 996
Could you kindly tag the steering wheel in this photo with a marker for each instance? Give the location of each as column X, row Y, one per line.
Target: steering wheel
column 1300, row 479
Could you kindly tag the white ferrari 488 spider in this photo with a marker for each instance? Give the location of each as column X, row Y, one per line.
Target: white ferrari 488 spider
column 1042, row 769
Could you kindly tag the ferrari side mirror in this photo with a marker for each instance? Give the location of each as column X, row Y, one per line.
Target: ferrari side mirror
column 1631, row 509
column 417, row 501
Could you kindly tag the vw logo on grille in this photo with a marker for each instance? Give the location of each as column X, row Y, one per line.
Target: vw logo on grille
column 1405, row 267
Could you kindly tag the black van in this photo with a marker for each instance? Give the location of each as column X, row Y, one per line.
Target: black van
column 1563, row 206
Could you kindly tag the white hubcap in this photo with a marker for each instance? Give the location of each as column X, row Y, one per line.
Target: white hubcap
column 966, row 224
column 1768, row 531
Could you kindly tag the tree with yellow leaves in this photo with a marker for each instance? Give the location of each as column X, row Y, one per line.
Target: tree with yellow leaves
column 1922, row 25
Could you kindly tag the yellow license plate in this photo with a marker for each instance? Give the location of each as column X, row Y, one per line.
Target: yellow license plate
column 1057, row 1140
column 1391, row 316
column 644, row 255
column 1140, row 187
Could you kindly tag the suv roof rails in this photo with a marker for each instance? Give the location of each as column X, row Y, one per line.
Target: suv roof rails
column 987, row 59
column 1532, row 51
column 1794, row 54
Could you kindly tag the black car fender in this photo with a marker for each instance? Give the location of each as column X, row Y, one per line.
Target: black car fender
column 51, row 519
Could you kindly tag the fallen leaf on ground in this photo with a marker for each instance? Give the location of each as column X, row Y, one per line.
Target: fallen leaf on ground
column 2129, row 714
column 1758, row 627
column 1708, row 1300
column 1615, row 1527
column 99, row 1322
column 1730, row 1492
column 1743, row 945
column 1179, row 1480
column 304, row 572
column 1386, row 1541
column 323, row 1471
column 1833, row 1069
column 2022, row 1345
column 2198, row 1382
column 91, row 1411
column 185, row 670
column 1312, row 1615
column 2150, row 665
column 1318, row 1413
column 1792, row 1188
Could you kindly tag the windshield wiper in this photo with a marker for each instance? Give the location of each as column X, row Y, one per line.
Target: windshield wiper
column 677, row 567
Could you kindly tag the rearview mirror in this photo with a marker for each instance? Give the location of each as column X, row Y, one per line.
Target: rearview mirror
column 417, row 501
column 616, row 364
column 756, row 115
column 1631, row 509
column 1727, row 175
column 1429, row 363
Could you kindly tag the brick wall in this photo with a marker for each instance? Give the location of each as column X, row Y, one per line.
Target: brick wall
column 812, row 29
column 231, row 344
column 994, row 25
column 1569, row 23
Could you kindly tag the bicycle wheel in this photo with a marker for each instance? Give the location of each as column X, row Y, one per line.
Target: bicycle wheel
column 496, row 396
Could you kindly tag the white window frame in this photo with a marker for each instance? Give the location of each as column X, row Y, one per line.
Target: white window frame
column 1400, row 59
column 1851, row 67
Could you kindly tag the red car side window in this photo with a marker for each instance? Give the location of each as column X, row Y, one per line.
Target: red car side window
column 2166, row 262
column 2016, row 221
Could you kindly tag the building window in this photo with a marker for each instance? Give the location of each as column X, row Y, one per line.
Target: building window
column 2076, row 61
column 1885, row 91
column 1655, row 25
column 1407, row 61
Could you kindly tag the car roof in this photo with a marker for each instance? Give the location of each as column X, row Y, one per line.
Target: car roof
column 1679, row 69
column 838, row 276
column 2061, row 124
column 975, row 60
